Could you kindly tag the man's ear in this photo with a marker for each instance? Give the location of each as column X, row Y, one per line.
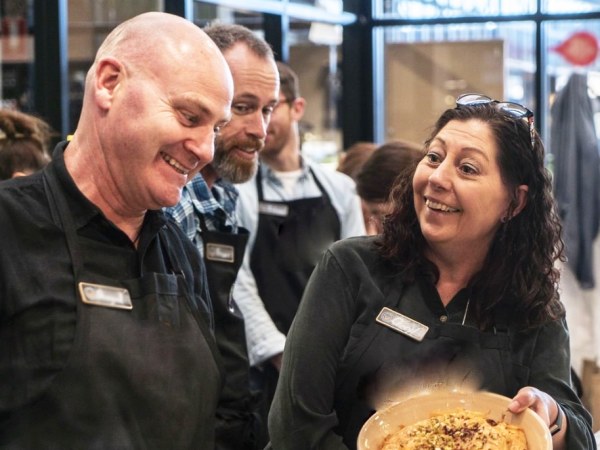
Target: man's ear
column 521, row 199
column 298, row 106
column 109, row 73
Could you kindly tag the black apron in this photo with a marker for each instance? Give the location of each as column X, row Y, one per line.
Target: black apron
column 378, row 358
column 135, row 378
column 291, row 237
column 223, row 256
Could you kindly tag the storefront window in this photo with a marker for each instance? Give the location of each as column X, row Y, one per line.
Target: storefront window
column 568, row 7
column 426, row 67
column 571, row 47
column 435, row 9
column 205, row 13
column 314, row 56
column 90, row 21
column 17, row 55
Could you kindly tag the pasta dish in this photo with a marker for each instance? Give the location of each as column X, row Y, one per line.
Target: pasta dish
column 457, row 430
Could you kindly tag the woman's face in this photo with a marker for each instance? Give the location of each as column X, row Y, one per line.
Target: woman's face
column 460, row 198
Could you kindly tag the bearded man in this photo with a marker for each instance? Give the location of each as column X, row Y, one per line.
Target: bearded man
column 294, row 209
column 206, row 213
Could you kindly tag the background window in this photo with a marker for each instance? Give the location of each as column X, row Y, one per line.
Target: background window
column 427, row 66
column 16, row 55
column 435, row 9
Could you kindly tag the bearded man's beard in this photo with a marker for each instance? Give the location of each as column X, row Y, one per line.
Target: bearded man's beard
column 229, row 166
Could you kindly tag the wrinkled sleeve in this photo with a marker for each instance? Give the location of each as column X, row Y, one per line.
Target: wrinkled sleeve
column 550, row 368
column 264, row 340
column 353, row 223
column 302, row 415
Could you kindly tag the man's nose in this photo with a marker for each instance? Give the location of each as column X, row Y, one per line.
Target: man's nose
column 257, row 125
column 202, row 145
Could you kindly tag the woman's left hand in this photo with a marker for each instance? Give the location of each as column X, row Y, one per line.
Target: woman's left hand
column 544, row 406
column 540, row 402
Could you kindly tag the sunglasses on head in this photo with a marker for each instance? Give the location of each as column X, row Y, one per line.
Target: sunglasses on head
column 512, row 109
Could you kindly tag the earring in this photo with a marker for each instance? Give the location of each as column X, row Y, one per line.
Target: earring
column 505, row 219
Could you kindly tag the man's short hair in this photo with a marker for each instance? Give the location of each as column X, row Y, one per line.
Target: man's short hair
column 226, row 36
column 288, row 82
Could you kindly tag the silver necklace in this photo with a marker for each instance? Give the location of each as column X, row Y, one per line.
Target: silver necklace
column 466, row 311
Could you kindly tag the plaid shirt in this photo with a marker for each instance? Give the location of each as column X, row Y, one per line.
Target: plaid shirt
column 216, row 206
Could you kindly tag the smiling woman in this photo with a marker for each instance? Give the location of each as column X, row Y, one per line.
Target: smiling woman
column 460, row 196
column 466, row 262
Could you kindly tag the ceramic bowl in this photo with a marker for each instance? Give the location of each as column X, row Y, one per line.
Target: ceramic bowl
column 413, row 409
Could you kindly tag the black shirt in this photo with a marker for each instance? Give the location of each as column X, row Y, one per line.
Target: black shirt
column 338, row 357
column 37, row 287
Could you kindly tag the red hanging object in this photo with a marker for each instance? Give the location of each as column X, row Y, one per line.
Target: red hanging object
column 580, row 48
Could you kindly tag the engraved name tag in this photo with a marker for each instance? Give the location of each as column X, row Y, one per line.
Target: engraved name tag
column 274, row 209
column 107, row 296
column 402, row 324
column 219, row 252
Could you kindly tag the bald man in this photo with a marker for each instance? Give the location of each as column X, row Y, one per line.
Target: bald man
column 105, row 325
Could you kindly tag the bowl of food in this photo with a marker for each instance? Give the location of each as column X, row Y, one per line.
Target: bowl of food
column 454, row 420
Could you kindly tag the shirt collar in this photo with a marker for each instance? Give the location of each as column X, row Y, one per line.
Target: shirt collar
column 222, row 196
column 82, row 209
column 268, row 174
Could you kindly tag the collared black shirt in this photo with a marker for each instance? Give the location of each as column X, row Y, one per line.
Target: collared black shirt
column 336, row 351
column 37, row 286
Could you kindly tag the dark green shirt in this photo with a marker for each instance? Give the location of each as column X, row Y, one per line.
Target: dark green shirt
column 338, row 359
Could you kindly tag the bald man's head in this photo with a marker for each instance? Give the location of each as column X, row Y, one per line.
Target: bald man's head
column 153, row 104
column 137, row 42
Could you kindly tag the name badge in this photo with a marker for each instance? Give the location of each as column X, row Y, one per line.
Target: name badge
column 219, row 252
column 107, row 296
column 402, row 324
column 274, row 209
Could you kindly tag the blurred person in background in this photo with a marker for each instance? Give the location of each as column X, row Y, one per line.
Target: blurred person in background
column 466, row 262
column 375, row 179
column 352, row 159
column 294, row 209
column 207, row 215
column 24, row 142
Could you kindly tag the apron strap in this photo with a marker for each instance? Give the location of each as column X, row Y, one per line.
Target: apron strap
column 259, row 189
column 174, row 261
column 320, row 186
column 62, row 214
column 260, row 193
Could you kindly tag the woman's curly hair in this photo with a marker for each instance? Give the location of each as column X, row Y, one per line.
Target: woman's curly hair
column 519, row 271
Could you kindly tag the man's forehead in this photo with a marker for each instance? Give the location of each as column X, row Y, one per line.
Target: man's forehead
column 240, row 56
